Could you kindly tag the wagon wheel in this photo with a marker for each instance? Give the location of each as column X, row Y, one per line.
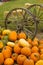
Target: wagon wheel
column 37, row 11
column 20, row 19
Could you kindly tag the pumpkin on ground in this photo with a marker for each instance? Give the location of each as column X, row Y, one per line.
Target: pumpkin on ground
column 41, row 56
column 14, row 56
column 6, row 52
column 28, row 62
column 9, row 61
column 5, row 32
column 26, row 51
column 20, row 59
column 22, row 35
column 12, row 36
column 35, row 49
column 23, row 43
column 11, row 44
column 1, row 45
column 17, row 49
column 29, row 40
column 40, row 62
column 41, row 41
column 35, row 56
column 41, row 51
column 1, row 59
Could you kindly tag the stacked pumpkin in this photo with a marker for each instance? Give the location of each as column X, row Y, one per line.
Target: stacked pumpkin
column 16, row 49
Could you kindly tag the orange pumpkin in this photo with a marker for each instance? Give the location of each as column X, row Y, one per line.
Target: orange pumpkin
column 1, row 45
column 14, row 56
column 35, row 49
column 41, row 51
column 6, row 52
column 40, row 46
column 41, row 41
column 35, row 56
column 34, row 43
column 8, row 61
column 13, row 36
column 41, row 56
column 28, row 62
column 26, row 51
column 1, row 59
column 17, row 49
column 22, row 35
column 20, row 59
column 29, row 40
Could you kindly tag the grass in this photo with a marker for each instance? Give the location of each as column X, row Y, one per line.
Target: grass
column 7, row 6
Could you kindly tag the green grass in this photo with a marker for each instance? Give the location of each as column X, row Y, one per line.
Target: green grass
column 7, row 6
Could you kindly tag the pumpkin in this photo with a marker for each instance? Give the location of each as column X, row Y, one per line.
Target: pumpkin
column 8, row 47
column 1, row 59
column 13, row 36
column 1, row 45
column 9, row 61
column 23, row 43
column 36, row 39
column 7, row 31
column 28, row 62
column 35, row 42
column 6, row 52
column 35, row 49
column 11, row 44
column 17, row 49
column 26, row 51
column 14, row 56
column 40, row 46
column 20, row 59
column 40, row 62
column 22, row 35
column 41, row 41
column 41, row 56
column 29, row 40
column 35, row 56
column 41, row 51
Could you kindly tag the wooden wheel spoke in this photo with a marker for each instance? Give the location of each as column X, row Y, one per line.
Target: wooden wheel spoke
column 27, row 30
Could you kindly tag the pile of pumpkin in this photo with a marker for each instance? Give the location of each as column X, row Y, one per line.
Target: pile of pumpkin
column 16, row 49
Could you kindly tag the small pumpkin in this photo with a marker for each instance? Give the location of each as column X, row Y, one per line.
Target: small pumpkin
column 9, row 61
column 6, row 52
column 7, row 31
column 35, row 49
column 35, row 42
column 20, row 59
column 1, row 45
column 41, row 41
column 22, row 35
column 26, row 51
column 28, row 62
column 41, row 56
column 35, row 56
column 1, row 59
column 29, row 40
column 11, row 44
column 12, row 36
column 41, row 51
column 23, row 43
column 40, row 62
column 17, row 49
column 14, row 56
